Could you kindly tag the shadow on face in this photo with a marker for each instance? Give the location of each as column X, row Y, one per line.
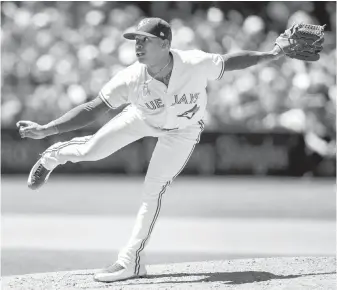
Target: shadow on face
column 151, row 50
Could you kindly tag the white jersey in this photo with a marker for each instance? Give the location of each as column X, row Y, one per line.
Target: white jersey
column 177, row 106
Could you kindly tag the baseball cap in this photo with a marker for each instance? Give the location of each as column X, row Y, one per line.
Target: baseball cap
column 152, row 27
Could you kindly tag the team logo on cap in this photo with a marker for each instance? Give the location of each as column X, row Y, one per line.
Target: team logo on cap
column 143, row 22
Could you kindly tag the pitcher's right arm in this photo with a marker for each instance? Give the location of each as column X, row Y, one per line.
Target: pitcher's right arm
column 113, row 94
column 74, row 119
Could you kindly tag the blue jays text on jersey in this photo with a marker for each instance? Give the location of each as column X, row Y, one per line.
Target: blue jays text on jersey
column 171, row 106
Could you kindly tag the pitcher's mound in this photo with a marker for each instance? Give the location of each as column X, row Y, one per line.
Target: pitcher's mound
column 307, row 273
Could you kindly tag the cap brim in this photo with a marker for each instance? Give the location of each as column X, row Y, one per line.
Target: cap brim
column 132, row 35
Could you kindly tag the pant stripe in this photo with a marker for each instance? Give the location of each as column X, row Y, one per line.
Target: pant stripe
column 137, row 266
column 63, row 145
column 79, row 142
column 202, row 127
column 201, row 123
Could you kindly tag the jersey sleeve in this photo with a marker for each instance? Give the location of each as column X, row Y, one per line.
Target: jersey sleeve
column 115, row 92
column 213, row 65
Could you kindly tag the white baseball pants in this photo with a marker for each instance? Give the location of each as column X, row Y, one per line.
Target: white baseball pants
column 170, row 155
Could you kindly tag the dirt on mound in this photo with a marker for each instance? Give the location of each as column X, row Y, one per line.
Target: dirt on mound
column 307, row 273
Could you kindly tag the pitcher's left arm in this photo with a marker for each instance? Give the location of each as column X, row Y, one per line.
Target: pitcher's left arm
column 244, row 59
column 301, row 41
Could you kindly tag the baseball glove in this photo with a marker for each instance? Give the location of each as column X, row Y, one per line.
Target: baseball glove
column 302, row 41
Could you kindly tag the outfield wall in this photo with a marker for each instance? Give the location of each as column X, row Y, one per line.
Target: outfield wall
column 264, row 153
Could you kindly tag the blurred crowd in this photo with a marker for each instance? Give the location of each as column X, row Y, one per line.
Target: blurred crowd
column 56, row 55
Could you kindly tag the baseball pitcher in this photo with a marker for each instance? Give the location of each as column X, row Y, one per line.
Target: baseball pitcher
column 166, row 93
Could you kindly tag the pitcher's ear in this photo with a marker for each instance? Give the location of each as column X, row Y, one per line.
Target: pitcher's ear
column 165, row 43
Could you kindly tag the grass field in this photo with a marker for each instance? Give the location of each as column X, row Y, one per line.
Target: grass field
column 78, row 222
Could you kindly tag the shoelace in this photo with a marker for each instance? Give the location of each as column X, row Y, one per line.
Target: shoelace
column 114, row 267
column 38, row 171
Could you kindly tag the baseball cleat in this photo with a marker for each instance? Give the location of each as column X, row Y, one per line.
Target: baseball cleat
column 117, row 272
column 38, row 175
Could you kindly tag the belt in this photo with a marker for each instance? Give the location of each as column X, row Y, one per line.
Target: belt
column 161, row 128
column 166, row 129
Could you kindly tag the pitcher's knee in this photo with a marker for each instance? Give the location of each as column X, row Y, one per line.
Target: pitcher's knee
column 82, row 148
column 153, row 188
column 157, row 179
column 86, row 153
column 77, row 152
